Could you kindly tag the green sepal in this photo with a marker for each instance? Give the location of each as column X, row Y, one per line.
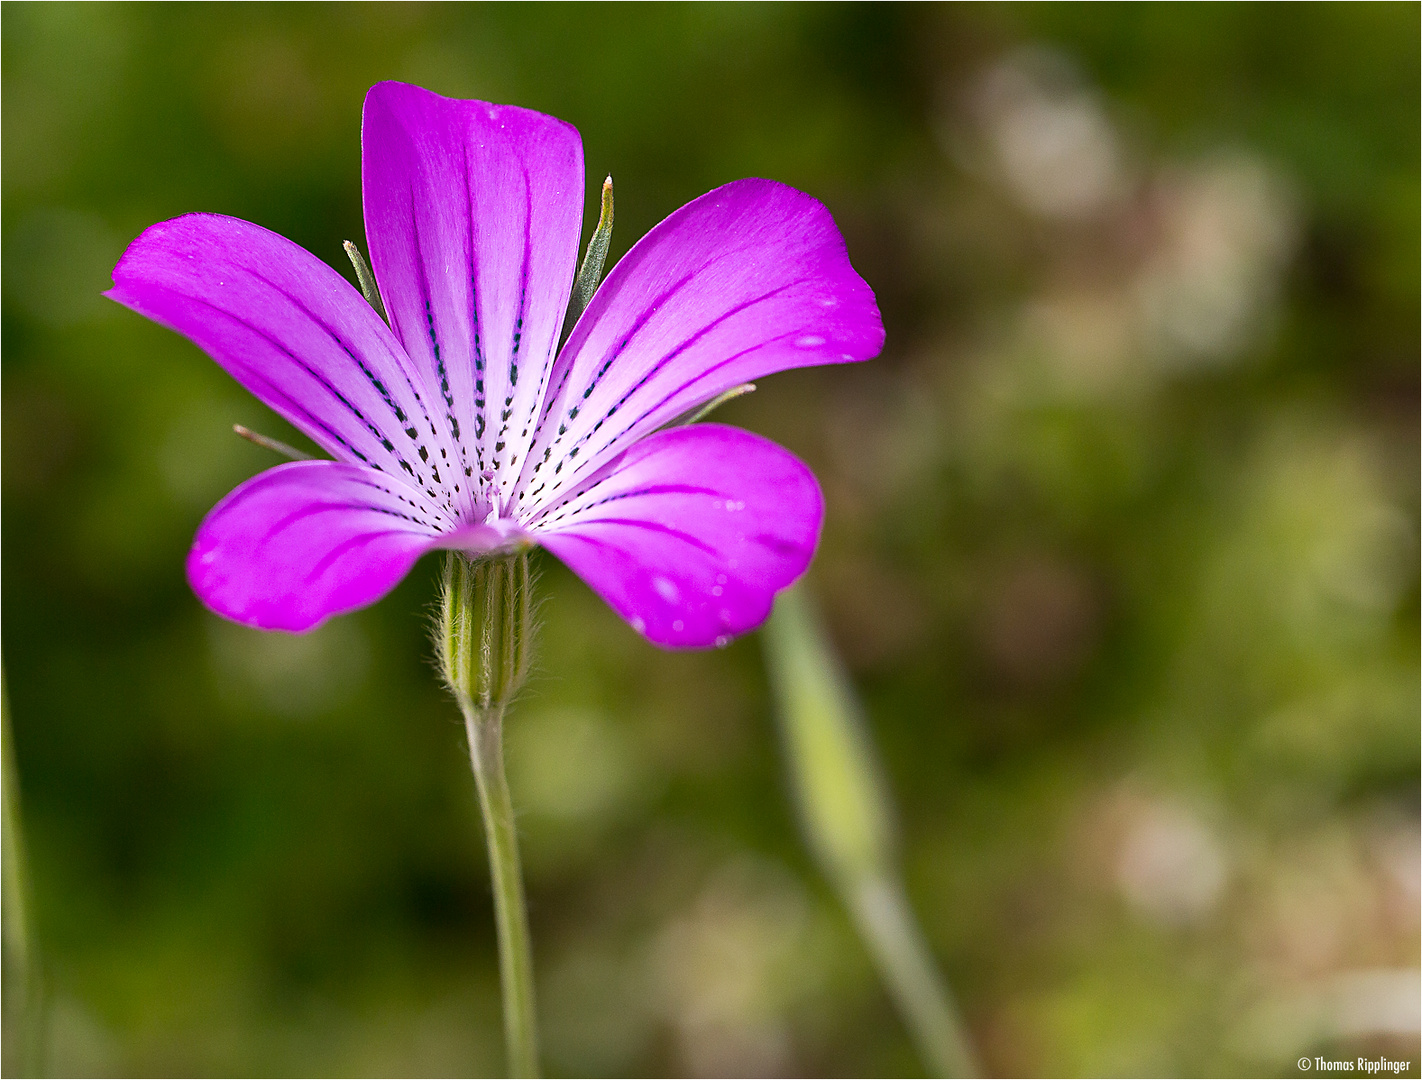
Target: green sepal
column 484, row 635
column 702, row 411
column 590, row 274
column 268, row 443
column 366, row 279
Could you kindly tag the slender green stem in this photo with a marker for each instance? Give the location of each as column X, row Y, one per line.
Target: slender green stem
column 483, row 638
column 486, row 753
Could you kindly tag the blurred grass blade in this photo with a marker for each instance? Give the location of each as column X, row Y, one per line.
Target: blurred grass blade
column 845, row 811
column 882, row 913
column 23, row 1005
column 840, row 796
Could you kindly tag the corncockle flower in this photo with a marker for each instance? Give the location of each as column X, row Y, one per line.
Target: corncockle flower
column 460, row 425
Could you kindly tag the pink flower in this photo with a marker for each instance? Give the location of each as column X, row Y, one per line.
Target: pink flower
column 460, row 425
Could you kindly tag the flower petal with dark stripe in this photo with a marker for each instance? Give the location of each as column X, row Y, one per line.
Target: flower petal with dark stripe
column 461, row 425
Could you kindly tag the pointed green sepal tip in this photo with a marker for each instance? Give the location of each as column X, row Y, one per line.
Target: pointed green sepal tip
column 366, row 279
column 590, row 274
column 268, row 443
column 701, row 412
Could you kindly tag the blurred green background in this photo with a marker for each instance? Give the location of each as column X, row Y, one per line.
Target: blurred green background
column 1121, row 552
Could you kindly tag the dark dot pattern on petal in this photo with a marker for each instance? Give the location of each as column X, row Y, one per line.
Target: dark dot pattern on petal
column 668, row 358
column 369, row 376
column 501, row 440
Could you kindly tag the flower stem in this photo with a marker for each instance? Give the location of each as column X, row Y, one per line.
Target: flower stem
column 483, row 639
column 486, row 754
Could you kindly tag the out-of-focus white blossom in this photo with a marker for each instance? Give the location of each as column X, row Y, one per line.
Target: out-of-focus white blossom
column 1051, row 138
column 1171, row 866
column 1226, row 230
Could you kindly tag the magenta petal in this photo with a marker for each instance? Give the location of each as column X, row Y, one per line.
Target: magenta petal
column 291, row 330
column 749, row 279
column 307, row 540
column 691, row 533
column 473, row 214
